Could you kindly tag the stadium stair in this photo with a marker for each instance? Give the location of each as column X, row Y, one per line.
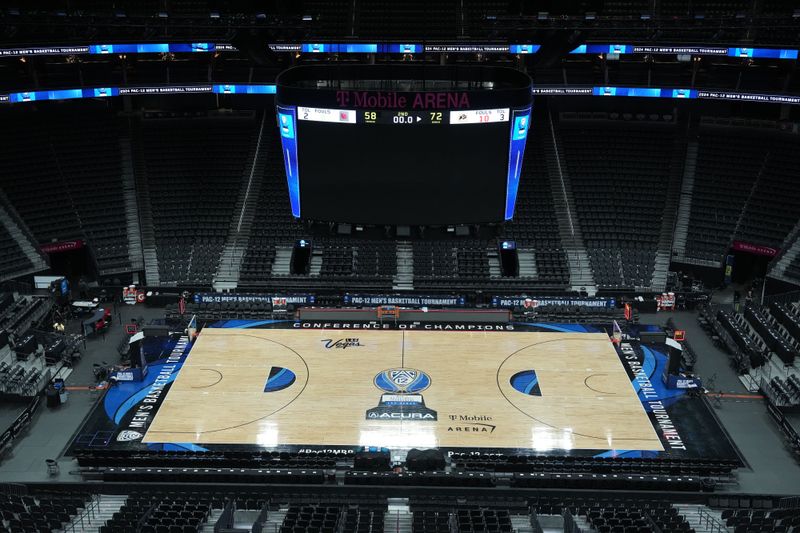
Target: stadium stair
column 93, row 519
column 131, row 205
column 790, row 251
column 148, row 235
column 398, row 518
column 580, row 270
column 685, row 204
column 23, row 238
column 494, row 264
column 273, row 523
column 527, row 263
column 701, row 518
column 404, row 278
column 230, row 264
column 521, row 523
column 753, row 188
column 282, row 264
column 315, row 263
column 658, row 282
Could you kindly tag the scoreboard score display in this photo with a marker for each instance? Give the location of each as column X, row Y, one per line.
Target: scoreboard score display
column 419, row 158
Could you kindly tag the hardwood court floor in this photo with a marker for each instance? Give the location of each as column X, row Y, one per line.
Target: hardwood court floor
column 586, row 402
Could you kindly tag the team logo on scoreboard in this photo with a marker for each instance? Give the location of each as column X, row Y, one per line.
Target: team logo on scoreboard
column 401, row 399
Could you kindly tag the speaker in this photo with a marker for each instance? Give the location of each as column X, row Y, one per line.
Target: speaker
column 424, row 460
column 371, row 461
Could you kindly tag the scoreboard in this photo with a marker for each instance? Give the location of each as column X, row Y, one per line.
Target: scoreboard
column 411, row 118
column 390, row 157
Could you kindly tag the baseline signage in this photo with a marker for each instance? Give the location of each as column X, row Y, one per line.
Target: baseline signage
column 417, row 301
column 211, row 297
column 533, row 303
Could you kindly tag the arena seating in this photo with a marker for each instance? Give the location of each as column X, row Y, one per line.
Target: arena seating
column 771, row 521
column 535, row 224
column 157, row 513
column 745, row 163
column 581, row 314
column 456, row 263
column 194, row 167
column 19, row 316
column 784, row 392
column 417, row 18
column 619, row 168
column 45, row 513
column 361, row 262
column 431, row 522
column 312, row 518
column 74, row 191
column 746, row 166
column 597, row 465
column 273, row 221
column 160, row 458
column 13, row 260
column 727, row 160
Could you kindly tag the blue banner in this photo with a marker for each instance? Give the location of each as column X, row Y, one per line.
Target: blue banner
column 102, row 92
column 533, row 302
column 227, row 297
column 699, row 50
column 367, row 300
column 269, row 88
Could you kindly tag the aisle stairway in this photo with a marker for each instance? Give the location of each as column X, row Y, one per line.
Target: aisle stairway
column 398, row 517
column 404, row 279
column 230, row 264
column 91, row 520
column 131, row 206
column 685, row 202
column 148, row 235
column 282, row 264
column 701, row 518
column 16, row 228
column 580, row 270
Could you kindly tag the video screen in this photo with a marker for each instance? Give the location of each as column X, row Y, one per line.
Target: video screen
column 403, row 168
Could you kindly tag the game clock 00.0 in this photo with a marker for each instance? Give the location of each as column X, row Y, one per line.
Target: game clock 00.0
column 402, row 117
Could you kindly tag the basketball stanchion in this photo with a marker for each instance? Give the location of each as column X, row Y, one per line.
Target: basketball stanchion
column 388, row 311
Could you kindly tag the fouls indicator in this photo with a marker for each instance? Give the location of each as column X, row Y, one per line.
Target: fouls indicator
column 479, row 116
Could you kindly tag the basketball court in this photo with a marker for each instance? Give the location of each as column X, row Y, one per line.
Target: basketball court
column 404, row 389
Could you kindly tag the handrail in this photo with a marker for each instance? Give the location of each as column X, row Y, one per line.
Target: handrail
column 252, row 171
column 710, row 522
column 89, row 513
column 561, row 175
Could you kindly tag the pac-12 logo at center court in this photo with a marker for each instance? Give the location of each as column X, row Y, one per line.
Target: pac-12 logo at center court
column 402, row 380
column 401, row 399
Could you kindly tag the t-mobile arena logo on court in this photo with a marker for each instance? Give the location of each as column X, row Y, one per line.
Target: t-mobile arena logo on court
column 340, row 343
